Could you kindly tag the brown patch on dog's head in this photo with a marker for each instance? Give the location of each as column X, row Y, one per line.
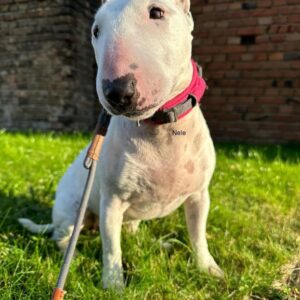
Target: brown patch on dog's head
column 133, row 66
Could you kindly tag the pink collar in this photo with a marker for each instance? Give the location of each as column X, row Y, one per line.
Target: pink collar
column 195, row 90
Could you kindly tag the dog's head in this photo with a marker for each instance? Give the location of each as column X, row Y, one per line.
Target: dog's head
column 143, row 52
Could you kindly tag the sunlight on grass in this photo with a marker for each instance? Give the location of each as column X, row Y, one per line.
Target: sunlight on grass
column 253, row 226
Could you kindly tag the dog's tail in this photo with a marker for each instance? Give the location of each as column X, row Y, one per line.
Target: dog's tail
column 35, row 228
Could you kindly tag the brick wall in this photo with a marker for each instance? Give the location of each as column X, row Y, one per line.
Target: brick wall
column 250, row 51
column 46, row 65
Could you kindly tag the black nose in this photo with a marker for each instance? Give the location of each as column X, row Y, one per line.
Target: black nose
column 120, row 93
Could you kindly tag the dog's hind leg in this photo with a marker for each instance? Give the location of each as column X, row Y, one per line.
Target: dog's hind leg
column 62, row 235
column 63, row 230
column 196, row 212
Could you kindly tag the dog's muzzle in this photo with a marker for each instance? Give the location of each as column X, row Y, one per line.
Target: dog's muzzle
column 121, row 93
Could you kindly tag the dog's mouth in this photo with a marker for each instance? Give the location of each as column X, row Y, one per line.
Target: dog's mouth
column 134, row 114
column 139, row 112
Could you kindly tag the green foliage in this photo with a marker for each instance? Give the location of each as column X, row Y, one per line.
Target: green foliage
column 252, row 229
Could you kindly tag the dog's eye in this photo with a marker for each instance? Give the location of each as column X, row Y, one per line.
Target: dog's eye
column 96, row 31
column 156, row 13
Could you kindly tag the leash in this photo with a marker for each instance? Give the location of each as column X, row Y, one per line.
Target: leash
column 90, row 163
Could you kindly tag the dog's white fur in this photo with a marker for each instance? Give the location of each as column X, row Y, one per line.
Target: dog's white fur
column 144, row 172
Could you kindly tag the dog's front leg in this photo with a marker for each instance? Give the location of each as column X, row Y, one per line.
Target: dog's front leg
column 196, row 213
column 111, row 218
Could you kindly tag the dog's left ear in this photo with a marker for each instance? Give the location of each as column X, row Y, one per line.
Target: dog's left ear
column 185, row 4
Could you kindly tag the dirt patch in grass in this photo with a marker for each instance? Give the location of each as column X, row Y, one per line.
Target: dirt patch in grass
column 289, row 283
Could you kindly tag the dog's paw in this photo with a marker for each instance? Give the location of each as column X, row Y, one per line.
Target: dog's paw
column 216, row 271
column 113, row 279
column 210, row 267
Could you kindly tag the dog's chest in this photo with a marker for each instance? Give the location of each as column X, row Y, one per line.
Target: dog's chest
column 155, row 171
column 160, row 189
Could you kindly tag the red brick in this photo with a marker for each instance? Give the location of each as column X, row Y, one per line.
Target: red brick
column 265, row 20
column 208, row 8
column 235, row 6
column 219, row 58
column 234, row 57
column 245, row 22
column 251, row 30
column 247, row 57
column 284, row 29
column 250, row 78
column 293, row 37
column 245, row 66
column 264, row 12
column 234, row 49
column 262, row 39
column 260, row 56
column 279, row 2
column 264, row 3
column 220, row 66
column 278, row 38
column 262, row 48
column 294, row 19
column 234, row 40
column 295, row 65
column 276, row 56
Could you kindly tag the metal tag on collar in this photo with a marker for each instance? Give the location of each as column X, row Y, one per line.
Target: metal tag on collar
column 138, row 123
column 173, row 115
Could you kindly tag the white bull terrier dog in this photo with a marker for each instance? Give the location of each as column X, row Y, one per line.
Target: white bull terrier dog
column 158, row 153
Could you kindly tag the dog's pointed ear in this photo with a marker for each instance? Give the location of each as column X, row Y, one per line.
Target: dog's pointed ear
column 185, row 4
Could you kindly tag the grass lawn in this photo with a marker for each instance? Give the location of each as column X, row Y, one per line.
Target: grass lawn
column 253, row 228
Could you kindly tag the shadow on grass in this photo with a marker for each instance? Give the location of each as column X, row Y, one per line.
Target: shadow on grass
column 13, row 208
column 286, row 153
column 14, row 235
column 11, row 232
column 49, row 134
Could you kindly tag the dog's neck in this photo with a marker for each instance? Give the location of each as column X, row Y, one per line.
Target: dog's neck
column 183, row 80
column 183, row 103
column 159, row 134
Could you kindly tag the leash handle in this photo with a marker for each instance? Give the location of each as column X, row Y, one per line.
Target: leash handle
column 96, row 145
column 90, row 163
column 58, row 294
